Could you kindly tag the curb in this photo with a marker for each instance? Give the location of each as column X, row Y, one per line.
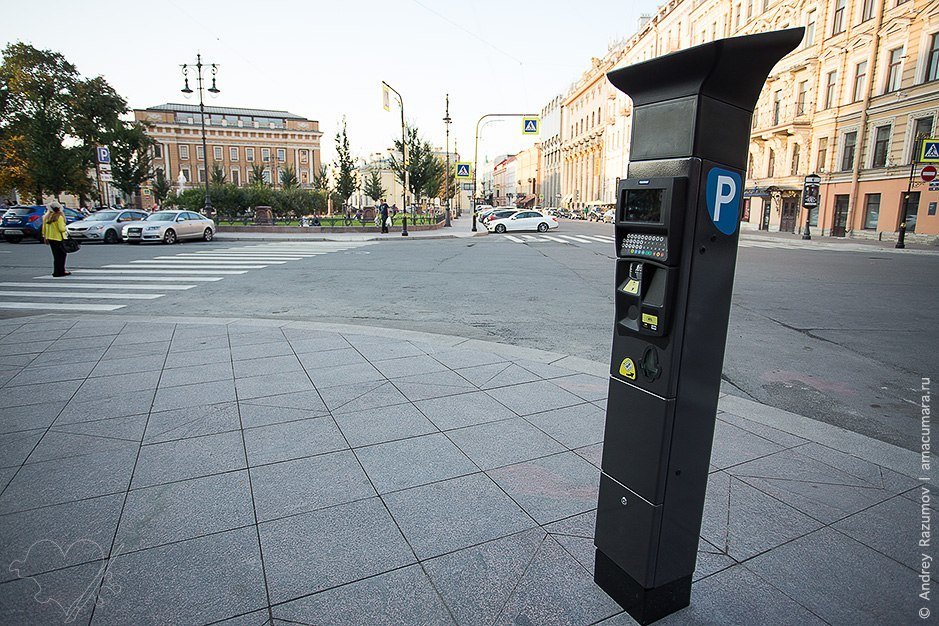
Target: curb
column 221, row 236
column 886, row 455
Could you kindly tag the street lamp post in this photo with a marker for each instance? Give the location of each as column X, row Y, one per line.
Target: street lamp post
column 213, row 90
column 404, row 161
column 476, row 151
column 446, row 123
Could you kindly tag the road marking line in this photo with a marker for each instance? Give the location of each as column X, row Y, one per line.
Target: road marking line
column 188, row 279
column 557, row 239
column 577, row 239
column 184, row 266
column 210, row 260
column 143, row 270
column 88, row 295
column 515, row 239
column 599, row 238
column 61, row 307
column 61, row 284
column 532, row 238
column 234, row 257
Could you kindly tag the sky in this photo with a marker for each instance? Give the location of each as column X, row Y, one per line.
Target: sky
column 326, row 60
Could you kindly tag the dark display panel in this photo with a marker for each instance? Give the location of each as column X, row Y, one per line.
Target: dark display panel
column 643, row 205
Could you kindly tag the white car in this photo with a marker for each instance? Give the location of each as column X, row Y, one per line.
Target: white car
column 523, row 220
column 169, row 227
column 610, row 216
column 105, row 225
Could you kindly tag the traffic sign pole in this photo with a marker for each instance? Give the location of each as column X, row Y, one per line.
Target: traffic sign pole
column 476, row 150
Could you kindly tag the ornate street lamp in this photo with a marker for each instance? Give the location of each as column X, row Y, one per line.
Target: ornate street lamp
column 199, row 65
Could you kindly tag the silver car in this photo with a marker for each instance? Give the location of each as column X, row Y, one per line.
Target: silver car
column 169, row 227
column 104, row 225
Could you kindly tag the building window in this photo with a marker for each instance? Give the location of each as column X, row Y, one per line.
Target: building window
column 304, row 156
column 737, row 17
column 794, row 170
column 881, row 144
column 847, row 154
column 233, row 154
column 281, row 155
column 184, row 152
column 249, row 154
column 810, row 27
column 837, row 24
column 893, row 70
column 922, row 128
column 871, row 210
column 201, row 174
column 822, row 161
column 867, row 11
column 749, row 9
column 235, row 176
column 217, row 153
column 830, row 89
column 266, row 176
column 158, row 151
column 266, row 155
column 860, row 77
column 803, row 97
column 777, row 106
column 186, row 175
column 771, row 164
column 200, row 153
column 932, row 58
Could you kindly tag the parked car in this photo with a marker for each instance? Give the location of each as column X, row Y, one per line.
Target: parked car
column 610, row 216
column 593, row 214
column 104, row 225
column 170, row 227
column 523, row 220
column 499, row 214
column 26, row 221
column 577, row 214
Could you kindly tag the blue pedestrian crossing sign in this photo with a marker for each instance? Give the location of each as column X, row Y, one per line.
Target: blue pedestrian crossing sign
column 723, row 195
column 464, row 170
column 531, row 125
column 930, row 151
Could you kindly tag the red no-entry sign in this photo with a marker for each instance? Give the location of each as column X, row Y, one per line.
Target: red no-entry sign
column 928, row 173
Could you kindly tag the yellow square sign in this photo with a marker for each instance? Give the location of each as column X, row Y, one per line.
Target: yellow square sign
column 531, row 125
column 930, row 151
column 464, row 170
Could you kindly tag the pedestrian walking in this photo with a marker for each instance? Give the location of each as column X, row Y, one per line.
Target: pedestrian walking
column 384, row 216
column 53, row 233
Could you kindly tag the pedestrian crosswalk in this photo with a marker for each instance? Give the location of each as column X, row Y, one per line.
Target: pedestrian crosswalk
column 113, row 286
column 559, row 238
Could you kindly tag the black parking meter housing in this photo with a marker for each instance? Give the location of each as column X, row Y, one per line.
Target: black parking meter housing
column 677, row 218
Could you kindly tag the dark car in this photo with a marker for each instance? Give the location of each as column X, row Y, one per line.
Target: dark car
column 26, row 221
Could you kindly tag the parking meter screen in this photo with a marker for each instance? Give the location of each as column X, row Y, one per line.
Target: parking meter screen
column 643, row 205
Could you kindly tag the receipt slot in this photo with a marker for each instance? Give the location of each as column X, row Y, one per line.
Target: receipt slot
column 676, row 229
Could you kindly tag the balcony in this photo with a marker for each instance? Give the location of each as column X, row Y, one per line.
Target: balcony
column 784, row 119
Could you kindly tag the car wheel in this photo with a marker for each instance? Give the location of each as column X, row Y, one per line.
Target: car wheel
column 170, row 237
column 500, row 228
column 207, row 235
column 111, row 237
column 12, row 238
column 543, row 227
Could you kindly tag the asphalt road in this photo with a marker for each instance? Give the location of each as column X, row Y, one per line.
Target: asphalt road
column 840, row 334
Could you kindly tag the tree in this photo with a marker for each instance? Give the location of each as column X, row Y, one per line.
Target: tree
column 257, row 175
column 321, row 179
column 131, row 164
column 288, row 178
column 346, row 182
column 423, row 167
column 218, row 174
column 160, row 187
column 372, row 187
column 97, row 108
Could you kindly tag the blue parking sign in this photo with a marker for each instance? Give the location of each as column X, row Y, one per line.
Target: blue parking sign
column 723, row 194
column 104, row 155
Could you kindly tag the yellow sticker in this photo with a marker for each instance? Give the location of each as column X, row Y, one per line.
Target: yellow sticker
column 648, row 318
column 628, row 369
column 632, row 286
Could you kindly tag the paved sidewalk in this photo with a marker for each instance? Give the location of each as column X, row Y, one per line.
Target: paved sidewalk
column 172, row 471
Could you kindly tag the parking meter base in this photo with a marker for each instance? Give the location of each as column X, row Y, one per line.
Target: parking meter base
column 645, row 605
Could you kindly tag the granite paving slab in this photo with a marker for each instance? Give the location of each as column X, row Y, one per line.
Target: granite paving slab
column 291, row 440
column 371, row 426
column 462, row 410
column 495, row 444
column 189, row 458
column 414, row 461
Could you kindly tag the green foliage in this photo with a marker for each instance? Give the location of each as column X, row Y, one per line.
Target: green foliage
column 131, row 164
column 346, row 184
column 257, row 175
column 288, row 178
column 231, row 200
column 321, row 179
column 160, row 187
column 218, row 175
column 424, row 169
column 372, row 187
column 51, row 120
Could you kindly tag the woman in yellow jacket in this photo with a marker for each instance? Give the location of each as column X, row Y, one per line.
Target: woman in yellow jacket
column 53, row 232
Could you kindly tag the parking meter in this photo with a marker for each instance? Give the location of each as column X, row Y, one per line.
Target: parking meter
column 676, row 230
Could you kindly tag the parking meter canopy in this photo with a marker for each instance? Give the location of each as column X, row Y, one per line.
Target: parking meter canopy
column 677, row 97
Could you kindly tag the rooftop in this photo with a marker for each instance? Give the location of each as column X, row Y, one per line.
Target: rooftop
column 192, row 108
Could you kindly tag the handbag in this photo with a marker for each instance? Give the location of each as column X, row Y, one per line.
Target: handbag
column 71, row 245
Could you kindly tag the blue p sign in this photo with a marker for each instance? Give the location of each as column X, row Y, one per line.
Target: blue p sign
column 723, row 199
